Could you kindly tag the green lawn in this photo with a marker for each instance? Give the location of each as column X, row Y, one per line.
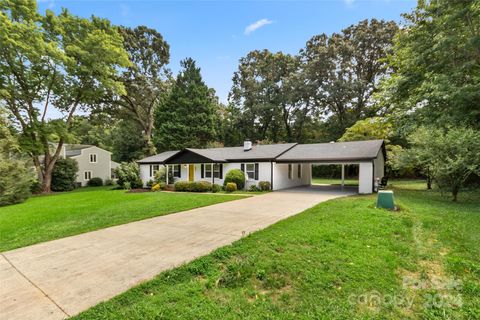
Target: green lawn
column 47, row 217
column 348, row 182
column 330, row 262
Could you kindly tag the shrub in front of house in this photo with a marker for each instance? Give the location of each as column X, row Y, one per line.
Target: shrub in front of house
column 156, row 187
column 128, row 172
column 160, row 176
column 197, row 186
column 230, row 187
column 202, row 186
column 216, row 188
column 236, row 176
column 264, row 185
column 64, row 175
column 95, row 182
column 253, row 188
column 109, row 182
column 150, row 183
column 181, row 186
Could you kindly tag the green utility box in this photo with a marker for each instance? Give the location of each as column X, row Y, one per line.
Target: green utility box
column 385, row 199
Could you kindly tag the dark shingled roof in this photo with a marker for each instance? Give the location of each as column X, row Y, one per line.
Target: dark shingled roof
column 338, row 151
column 285, row 152
column 72, row 150
column 159, row 158
column 258, row 152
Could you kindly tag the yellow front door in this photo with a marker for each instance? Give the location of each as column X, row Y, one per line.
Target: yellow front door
column 191, row 172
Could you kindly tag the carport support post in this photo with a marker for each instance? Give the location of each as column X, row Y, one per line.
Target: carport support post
column 343, row 175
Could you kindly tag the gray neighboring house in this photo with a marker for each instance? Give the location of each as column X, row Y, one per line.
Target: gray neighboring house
column 92, row 162
column 283, row 165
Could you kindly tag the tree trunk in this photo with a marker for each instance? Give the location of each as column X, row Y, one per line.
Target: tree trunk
column 47, row 179
column 455, row 190
column 429, row 183
column 150, row 149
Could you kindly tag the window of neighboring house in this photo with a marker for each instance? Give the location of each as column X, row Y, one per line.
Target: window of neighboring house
column 113, row 174
column 250, row 170
column 153, row 169
column 87, row 175
column 299, row 171
column 208, row 170
column 290, row 169
column 93, row 158
column 175, row 169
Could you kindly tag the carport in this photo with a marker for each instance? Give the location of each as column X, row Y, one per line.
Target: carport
column 369, row 155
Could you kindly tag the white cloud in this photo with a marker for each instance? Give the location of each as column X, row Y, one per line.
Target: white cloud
column 257, row 25
column 349, row 2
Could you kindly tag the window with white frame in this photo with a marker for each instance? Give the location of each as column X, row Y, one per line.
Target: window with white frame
column 250, row 170
column 87, row 175
column 175, row 170
column 153, row 169
column 299, row 171
column 290, row 169
column 93, row 158
column 209, row 168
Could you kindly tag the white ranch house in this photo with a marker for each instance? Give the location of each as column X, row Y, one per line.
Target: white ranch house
column 283, row 165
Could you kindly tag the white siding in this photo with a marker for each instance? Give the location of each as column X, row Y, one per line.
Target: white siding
column 379, row 164
column 282, row 181
column 101, row 168
column 264, row 172
column 365, row 178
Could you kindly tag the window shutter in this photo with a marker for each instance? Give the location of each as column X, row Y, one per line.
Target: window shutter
column 256, row 171
column 242, row 167
column 202, row 172
column 221, row 170
column 150, row 170
column 179, row 170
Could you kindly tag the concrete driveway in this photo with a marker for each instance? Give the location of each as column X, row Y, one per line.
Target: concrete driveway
column 60, row 278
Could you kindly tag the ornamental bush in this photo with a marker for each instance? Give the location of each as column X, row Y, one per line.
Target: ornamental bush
column 264, row 185
column 236, row 176
column 202, row 186
column 64, row 175
column 198, row 186
column 156, row 187
column 128, row 172
column 95, row 182
column 216, row 188
column 230, row 187
column 15, row 181
column 181, row 186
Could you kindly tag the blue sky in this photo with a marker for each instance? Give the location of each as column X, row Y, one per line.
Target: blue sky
column 217, row 34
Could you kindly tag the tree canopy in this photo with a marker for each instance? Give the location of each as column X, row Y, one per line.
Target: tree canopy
column 53, row 61
column 436, row 59
column 145, row 80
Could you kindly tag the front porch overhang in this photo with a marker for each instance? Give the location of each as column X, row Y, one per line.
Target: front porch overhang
column 187, row 156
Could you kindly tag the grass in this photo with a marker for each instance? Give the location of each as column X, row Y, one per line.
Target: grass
column 342, row 259
column 53, row 216
column 348, row 182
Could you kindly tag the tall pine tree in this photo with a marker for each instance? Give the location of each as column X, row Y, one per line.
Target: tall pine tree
column 186, row 117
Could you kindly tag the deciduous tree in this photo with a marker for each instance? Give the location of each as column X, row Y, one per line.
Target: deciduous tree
column 53, row 61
